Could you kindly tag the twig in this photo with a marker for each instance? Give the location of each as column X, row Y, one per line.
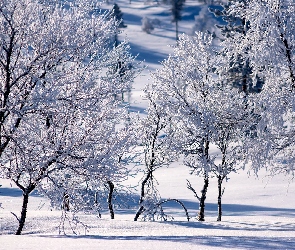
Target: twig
column 179, row 202
column 15, row 216
column 189, row 186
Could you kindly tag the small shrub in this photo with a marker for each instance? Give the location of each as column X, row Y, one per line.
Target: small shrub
column 147, row 26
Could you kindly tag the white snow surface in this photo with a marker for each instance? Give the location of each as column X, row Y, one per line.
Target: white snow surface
column 258, row 212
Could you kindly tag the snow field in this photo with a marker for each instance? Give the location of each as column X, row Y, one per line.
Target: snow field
column 258, row 213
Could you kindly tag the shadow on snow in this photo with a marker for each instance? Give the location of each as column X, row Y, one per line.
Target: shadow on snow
column 14, row 192
column 227, row 209
column 238, row 242
column 145, row 54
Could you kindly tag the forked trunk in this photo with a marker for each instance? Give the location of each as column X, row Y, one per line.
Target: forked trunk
column 201, row 216
column 142, row 195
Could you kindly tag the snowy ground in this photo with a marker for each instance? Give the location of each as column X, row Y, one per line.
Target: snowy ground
column 258, row 213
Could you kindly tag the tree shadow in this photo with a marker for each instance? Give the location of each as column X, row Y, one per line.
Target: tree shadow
column 221, row 242
column 14, row 192
column 145, row 54
column 135, row 109
column 233, row 210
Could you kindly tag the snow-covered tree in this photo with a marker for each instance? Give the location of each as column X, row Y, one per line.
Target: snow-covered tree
column 147, row 25
column 187, row 80
column 59, row 118
column 271, row 41
column 184, row 81
column 117, row 13
column 204, row 21
column 95, row 176
column 176, row 9
column 239, row 70
column 208, row 117
column 156, row 153
column 233, row 123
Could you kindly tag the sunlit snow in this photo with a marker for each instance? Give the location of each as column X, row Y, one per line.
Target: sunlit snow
column 258, row 212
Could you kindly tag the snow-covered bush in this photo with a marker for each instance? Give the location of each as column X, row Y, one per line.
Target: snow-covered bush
column 147, row 25
column 204, row 21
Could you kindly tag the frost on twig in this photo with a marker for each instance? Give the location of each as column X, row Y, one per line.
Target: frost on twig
column 73, row 222
column 189, row 186
column 156, row 211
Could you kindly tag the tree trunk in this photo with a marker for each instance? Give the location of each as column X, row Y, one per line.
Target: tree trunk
column 288, row 53
column 201, row 216
column 110, row 198
column 138, row 213
column 142, row 194
column 219, row 198
column 23, row 213
column 176, row 31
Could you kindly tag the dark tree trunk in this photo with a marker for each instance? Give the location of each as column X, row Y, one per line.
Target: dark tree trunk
column 201, row 216
column 219, row 198
column 142, row 195
column 110, row 199
column 176, row 31
column 23, row 213
column 288, row 53
column 138, row 213
column 26, row 193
